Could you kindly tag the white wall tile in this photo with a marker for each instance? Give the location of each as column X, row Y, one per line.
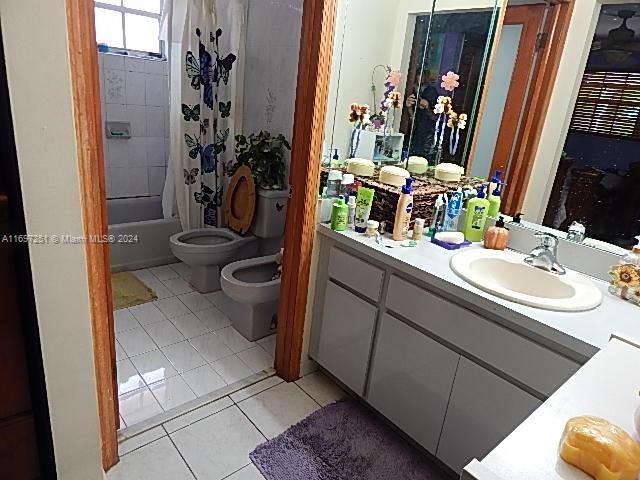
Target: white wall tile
column 114, row 86
column 138, row 184
column 138, row 152
column 134, row 64
column 117, row 152
column 157, row 177
column 115, row 112
column 118, row 179
column 157, row 67
column 157, row 90
column 155, row 121
column 137, row 115
column 135, row 88
column 167, row 124
column 113, row 61
column 156, row 152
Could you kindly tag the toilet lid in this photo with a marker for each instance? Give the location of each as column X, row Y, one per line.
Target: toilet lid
column 240, row 201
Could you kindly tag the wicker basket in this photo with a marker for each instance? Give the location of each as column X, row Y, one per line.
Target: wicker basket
column 425, row 193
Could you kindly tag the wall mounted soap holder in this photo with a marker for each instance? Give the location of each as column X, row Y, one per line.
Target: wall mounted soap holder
column 118, row 129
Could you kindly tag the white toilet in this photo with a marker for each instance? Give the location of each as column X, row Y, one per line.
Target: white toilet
column 255, row 228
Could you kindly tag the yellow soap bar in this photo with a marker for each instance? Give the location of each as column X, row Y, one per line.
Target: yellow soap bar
column 600, row 449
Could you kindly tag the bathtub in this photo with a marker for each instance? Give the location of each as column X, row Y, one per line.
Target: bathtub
column 141, row 233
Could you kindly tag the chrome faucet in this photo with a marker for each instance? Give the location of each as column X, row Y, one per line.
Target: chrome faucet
column 545, row 256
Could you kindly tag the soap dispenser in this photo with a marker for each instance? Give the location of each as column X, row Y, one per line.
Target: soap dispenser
column 476, row 219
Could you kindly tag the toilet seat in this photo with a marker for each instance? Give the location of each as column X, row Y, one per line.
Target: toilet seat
column 240, row 201
column 242, row 281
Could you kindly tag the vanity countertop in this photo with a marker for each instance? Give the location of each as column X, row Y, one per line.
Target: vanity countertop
column 579, row 335
column 605, row 387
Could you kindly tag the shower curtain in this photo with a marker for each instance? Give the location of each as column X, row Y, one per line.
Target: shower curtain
column 205, row 47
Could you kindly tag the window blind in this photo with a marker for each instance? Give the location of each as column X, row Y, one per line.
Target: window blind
column 608, row 104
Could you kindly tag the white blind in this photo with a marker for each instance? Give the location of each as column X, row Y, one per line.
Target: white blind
column 608, row 104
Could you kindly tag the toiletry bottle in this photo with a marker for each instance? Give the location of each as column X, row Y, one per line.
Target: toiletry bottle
column 346, row 187
column 372, row 228
column 437, row 216
column 494, row 202
column 339, row 215
column 326, row 206
column 453, row 211
column 335, row 162
column 403, row 212
column 334, row 183
column 497, row 237
column 418, row 229
column 364, row 201
column 477, row 212
column 352, row 211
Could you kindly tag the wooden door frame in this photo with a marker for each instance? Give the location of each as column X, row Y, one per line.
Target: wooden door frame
column 83, row 55
column 536, row 107
column 314, row 78
column 314, row 73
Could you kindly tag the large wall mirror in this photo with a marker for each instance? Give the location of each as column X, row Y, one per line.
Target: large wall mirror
column 422, row 51
column 563, row 134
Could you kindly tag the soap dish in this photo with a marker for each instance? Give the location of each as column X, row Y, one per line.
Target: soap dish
column 450, row 246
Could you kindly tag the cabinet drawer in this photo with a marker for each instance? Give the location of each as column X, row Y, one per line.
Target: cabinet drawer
column 533, row 365
column 411, row 379
column 355, row 273
column 345, row 337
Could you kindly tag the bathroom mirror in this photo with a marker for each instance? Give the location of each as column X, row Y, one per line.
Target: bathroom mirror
column 392, row 57
column 586, row 167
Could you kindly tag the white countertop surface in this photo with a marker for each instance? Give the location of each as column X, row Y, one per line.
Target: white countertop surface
column 578, row 334
column 607, row 386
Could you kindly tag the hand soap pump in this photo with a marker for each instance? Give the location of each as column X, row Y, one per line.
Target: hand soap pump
column 495, row 195
column 339, row 215
column 403, row 212
column 476, row 219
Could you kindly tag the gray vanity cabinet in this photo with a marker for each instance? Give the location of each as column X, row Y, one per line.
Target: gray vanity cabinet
column 482, row 411
column 411, row 379
column 348, row 323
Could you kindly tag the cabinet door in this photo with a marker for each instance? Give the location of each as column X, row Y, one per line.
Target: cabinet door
column 411, row 380
column 345, row 337
column 483, row 410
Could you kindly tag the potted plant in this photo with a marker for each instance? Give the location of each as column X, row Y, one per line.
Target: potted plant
column 264, row 155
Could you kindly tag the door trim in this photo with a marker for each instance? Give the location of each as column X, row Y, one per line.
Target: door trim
column 83, row 55
column 314, row 78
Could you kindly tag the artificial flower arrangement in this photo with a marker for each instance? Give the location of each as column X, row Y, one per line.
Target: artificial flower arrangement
column 625, row 282
column 447, row 117
column 360, row 118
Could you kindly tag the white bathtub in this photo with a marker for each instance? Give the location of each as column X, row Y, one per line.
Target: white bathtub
column 141, row 219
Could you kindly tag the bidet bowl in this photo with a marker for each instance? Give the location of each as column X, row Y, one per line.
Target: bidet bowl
column 504, row 274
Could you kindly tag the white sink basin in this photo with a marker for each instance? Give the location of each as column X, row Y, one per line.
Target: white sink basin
column 504, row 273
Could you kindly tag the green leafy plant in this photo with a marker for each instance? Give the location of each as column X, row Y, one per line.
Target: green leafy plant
column 264, row 155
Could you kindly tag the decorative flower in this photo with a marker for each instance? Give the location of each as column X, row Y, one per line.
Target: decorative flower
column 395, row 98
column 625, row 276
column 394, row 78
column 444, row 105
column 453, row 120
column 450, row 81
column 354, row 116
column 462, row 121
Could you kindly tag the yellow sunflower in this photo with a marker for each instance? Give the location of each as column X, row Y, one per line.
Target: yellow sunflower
column 626, row 276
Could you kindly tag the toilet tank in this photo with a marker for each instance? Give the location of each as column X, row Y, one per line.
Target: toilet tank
column 271, row 213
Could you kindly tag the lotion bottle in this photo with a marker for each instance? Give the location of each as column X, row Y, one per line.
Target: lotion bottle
column 477, row 212
column 403, row 212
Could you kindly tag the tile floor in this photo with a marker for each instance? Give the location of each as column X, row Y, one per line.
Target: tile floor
column 180, row 347
column 214, row 441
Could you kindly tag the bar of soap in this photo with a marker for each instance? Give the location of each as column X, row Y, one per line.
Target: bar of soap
column 450, row 237
column 600, row 449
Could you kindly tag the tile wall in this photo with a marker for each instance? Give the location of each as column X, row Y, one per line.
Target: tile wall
column 135, row 90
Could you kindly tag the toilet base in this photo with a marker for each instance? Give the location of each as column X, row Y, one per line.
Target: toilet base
column 253, row 321
column 205, row 279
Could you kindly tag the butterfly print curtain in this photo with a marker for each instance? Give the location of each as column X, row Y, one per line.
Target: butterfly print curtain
column 205, row 39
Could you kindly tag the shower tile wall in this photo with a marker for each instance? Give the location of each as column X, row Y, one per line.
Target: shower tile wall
column 135, row 90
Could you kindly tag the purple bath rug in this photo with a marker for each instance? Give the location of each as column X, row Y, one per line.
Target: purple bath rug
column 342, row 441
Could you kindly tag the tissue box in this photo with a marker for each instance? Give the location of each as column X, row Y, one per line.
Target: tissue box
column 625, row 282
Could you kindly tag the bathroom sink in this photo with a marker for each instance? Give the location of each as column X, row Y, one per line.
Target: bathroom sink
column 504, row 274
